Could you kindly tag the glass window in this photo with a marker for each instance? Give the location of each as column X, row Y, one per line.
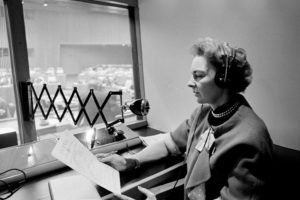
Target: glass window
column 72, row 44
column 9, row 132
column 82, row 45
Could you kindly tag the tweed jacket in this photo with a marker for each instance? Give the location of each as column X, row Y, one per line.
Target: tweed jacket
column 237, row 167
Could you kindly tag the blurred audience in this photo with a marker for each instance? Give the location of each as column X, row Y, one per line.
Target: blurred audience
column 6, row 109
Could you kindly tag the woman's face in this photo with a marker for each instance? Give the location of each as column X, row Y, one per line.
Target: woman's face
column 202, row 82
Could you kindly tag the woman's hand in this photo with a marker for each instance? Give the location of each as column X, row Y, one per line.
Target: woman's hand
column 116, row 161
column 148, row 193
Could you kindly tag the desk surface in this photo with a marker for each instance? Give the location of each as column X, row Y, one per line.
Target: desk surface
column 37, row 187
column 35, row 154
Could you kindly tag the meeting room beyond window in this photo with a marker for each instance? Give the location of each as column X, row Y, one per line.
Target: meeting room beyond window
column 74, row 44
column 8, row 117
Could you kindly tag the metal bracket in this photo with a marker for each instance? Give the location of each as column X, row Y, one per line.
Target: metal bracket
column 34, row 102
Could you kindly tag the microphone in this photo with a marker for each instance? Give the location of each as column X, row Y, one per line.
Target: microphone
column 139, row 107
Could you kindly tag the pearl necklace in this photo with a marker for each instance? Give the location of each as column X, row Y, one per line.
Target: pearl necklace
column 226, row 112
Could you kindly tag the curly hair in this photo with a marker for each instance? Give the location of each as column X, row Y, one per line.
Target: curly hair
column 240, row 70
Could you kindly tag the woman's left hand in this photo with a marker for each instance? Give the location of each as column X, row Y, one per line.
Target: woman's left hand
column 148, row 193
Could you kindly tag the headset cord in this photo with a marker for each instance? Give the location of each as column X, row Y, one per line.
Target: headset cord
column 213, row 147
column 9, row 187
column 179, row 174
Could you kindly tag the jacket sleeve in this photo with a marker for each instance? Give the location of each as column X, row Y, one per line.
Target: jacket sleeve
column 246, row 178
column 180, row 134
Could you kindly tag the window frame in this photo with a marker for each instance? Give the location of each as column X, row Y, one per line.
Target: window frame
column 20, row 65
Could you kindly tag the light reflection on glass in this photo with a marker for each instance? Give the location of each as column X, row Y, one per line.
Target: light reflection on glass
column 89, row 134
column 30, row 159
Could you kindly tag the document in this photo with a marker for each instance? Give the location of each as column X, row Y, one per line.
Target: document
column 74, row 187
column 153, row 139
column 71, row 152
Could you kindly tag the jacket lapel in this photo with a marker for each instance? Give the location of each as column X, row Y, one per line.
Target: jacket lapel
column 200, row 172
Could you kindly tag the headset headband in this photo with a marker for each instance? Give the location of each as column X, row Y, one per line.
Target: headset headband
column 227, row 59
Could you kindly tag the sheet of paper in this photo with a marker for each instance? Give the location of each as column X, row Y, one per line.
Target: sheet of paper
column 74, row 187
column 71, row 152
column 150, row 140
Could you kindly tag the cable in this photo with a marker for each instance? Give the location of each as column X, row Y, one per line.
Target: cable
column 12, row 188
column 205, row 142
column 186, row 152
column 178, row 177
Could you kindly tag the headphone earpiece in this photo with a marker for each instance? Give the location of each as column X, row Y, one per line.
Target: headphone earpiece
column 223, row 77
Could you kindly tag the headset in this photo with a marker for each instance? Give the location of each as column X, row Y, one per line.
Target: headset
column 223, row 75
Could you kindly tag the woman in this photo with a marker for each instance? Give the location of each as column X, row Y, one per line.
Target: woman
column 227, row 146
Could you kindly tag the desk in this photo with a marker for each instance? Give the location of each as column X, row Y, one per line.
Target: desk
column 37, row 187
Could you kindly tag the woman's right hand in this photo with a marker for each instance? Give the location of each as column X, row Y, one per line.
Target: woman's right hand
column 116, row 161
